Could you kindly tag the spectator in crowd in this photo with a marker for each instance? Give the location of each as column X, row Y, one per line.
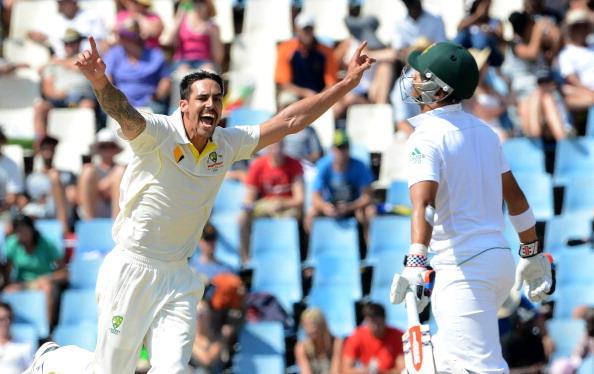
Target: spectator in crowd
column 210, row 345
column 576, row 61
column 204, row 261
column 62, row 85
column 46, row 188
column 304, row 146
column 584, row 348
column 417, row 29
column 538, row 9
column 33, row 262
column 522, row 346
column 15, row 356
column 486, row 103
column 150, row 25
column 304, row 66
column 274, row 189
column 98, row 181
column 373, row 345
column 342, row 186
column 11, row 180
column 540, row 105
column 319, row 352
column 70, row 16
column 478, row 30
column 141, row 72
column 196, row 38
column 7, row 67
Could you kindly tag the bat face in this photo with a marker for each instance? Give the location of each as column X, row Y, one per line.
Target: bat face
column 418, row 350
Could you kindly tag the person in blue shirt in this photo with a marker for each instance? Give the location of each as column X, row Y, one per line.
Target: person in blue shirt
column 204, row 261
column 342, row 187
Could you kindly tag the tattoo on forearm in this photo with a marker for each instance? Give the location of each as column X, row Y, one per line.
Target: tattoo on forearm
column 114, row 102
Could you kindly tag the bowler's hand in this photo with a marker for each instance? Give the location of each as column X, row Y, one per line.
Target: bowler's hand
column 92, row 66
column 359, row 63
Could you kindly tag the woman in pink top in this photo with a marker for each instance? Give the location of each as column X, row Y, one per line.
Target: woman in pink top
column 196, row 39
column 151, row 25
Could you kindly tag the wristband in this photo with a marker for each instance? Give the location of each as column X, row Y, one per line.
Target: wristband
column 523, row 221
column 418, row 249
column 531, row 249
column 415, row 261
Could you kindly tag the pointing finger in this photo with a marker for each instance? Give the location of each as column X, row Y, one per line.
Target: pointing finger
column 93, row 45
column 360, row 49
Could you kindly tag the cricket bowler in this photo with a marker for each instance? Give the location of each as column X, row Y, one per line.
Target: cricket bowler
column 458, row 181
column 146, row 292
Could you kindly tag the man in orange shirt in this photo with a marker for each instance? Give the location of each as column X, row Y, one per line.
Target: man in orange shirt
column 304, row 67
column 374, row 347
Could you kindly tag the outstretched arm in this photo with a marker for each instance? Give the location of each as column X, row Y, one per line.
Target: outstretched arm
column 301, row 114
column 112, row 100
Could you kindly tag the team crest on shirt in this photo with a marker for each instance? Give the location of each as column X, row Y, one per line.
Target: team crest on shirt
column 178, row 153
column 116, row 322
column 214, row 161
column 416, row 156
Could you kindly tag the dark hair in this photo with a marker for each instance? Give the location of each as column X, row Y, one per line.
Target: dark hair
column 26, row 221
column 374, row 310
column 519, row 22
column 8, row 308
column 188, row 80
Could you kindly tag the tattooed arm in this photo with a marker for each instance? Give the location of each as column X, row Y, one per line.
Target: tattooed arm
column 112, row 100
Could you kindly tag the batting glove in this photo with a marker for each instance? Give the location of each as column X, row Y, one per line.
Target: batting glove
column 413, row 278
column 535, row 271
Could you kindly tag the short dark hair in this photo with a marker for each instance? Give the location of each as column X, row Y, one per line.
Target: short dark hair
column 519, row 22
column 8, row 308
column 374, row 310
column 188, row 80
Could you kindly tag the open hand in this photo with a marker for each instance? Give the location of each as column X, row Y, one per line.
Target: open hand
column 359, row 63
column 91, row 65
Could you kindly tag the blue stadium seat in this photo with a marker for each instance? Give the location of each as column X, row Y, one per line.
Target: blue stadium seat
column 280, row 276
column 258, row 364
column 247, row 116
column 574, row 157
column 338, row 308
column 538, row 189
column 587, row 366
column 524, row 155
column 262, row 338
column 52, row 230
column 94, row 236
column 275, row 236
column 83, row 335
column 24, row 332
column 575, row 267
column 229, row 198
column 567, row 298
column 385, row 266
column 227, row 246
column 329, row 235
column 332, row 270
column 360, row 152
column 397, row 194
column 566, row 333
column 590, row 128
column 567, row 226
column 29, row 307
column 78, row 306
column 388, row 234
column 579, row 195
column 83, row 272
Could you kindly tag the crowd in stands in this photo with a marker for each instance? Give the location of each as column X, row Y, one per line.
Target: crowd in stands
column 536, row 84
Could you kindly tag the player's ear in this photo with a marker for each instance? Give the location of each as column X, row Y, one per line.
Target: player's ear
column 183, row 105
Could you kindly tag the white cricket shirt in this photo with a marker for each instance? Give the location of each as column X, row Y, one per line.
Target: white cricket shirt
column 462, row 154
column 167, row 193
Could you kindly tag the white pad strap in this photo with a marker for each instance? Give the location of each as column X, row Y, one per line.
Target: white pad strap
column 523, row 221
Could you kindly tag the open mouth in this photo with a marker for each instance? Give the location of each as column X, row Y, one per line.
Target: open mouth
column 207, row 119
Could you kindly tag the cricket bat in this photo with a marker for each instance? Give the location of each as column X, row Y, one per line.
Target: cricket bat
column 416, row 341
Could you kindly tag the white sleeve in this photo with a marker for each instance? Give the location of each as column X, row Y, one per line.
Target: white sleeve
column 504, row 165
column 243, row 139
column 15, row 183
column 565, row 66
column 155, row 132
column 424, row 160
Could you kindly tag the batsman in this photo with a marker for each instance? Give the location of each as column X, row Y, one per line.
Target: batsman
column 458, row 181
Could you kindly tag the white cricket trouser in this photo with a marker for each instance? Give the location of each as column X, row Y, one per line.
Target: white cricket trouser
column 139, row 300
column 465, row 301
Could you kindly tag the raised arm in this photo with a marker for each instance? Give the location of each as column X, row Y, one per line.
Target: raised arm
column 301, row 114
column 112, row 100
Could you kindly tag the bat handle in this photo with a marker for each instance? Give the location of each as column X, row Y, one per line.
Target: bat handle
column 410, row 301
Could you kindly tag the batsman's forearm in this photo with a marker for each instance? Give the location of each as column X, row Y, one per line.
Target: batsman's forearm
column 114, row 103
column 420, row 229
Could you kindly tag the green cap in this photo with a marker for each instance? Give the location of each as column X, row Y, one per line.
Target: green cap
column 451, row 63
column 340, row 139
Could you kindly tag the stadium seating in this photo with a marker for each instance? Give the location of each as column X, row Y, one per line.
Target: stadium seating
column 93, row 236
column 587, row 366
column 104, row 9
column 361, row 153
column 275, row 236
column 262, row 338
column 227, row 246
column 26, row 86
column 52, row 230
column 566, row 333
column 579, row 195
column 224, row 19
column 329, row 16
column 575, row 267
column 247, row 116
column 538, row 189
column 387, row 12
column 78, row 306
column 388, row 234
column 83, row 335
column 29, row 307
column 590, row 123
column 338, row 308
column 525, row 155
column 567, row 226
column 568, row 297
column 397, row 193
column 229, row 198
column 332, row 236
column 17, row 123
column 258, row 363
column 24, row 332
column 370, row 125
column 19, row 51
column 15, row 153
column 574, row 157
column 83, row 272
column 324, row 127
column 332, row 270
column 277, row 14
column 279, row 275
column 393, row 165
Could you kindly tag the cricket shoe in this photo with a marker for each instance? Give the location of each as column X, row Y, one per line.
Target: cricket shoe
column 40, row 357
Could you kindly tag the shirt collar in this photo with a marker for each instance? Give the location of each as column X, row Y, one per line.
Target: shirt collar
column 180, row 131
column 437, row 112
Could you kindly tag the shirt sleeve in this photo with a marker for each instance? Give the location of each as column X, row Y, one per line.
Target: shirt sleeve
column 351, row 347
column 16, row 180
column 244, row 140
column 565, row 66
column 504, row 165
column 251, row 179
column 424, row 160
column 153, row 135
column 365, row 175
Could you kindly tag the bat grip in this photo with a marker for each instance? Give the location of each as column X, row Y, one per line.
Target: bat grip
column 410, row 301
